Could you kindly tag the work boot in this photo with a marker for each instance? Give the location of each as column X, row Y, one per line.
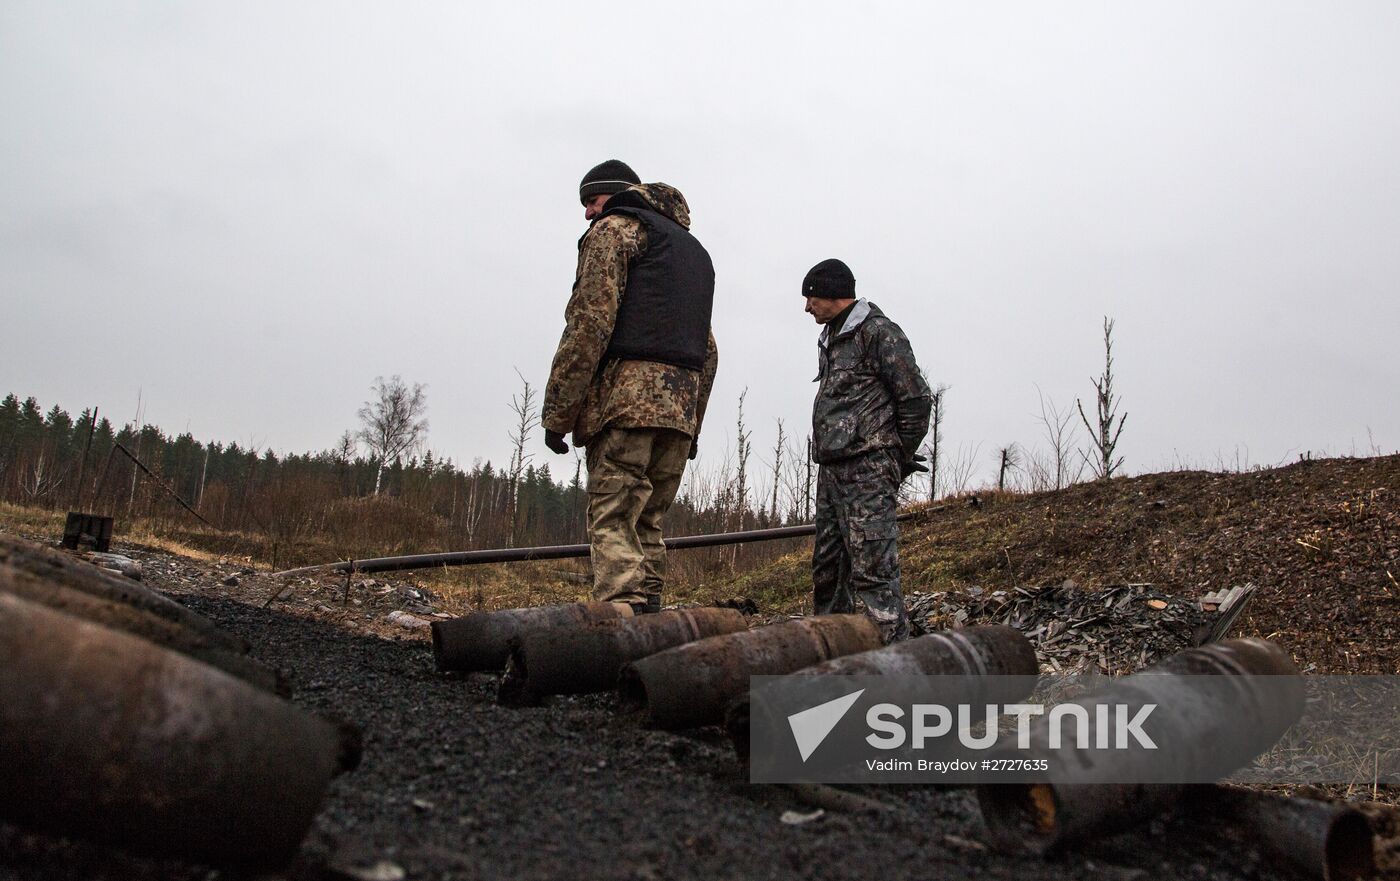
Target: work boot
column 649, row 607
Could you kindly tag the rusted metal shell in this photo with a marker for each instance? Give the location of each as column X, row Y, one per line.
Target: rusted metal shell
column 990, row 650
column 691, row 685
column 1210, row 727
column 1329, row 842
column 109, row 737
column 162, row 631
column 55, row 567
column 580, row 660
column 483, row 640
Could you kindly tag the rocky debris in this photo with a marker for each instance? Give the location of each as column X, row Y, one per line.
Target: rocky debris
column 405, row 620
column 231, row 581
column 1115, row 630
column 741, row 604
column 343, row 869
column 117, row 563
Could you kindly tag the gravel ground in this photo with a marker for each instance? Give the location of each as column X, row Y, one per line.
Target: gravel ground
column 453, row 786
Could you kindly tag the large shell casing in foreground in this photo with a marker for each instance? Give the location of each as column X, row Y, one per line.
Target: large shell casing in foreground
column 163, row 631
column 580, row 660
column 482, row 641
column 55, row 567
column 1220, row 706
column 691, row 685
column 107, row 736
column 990, row 650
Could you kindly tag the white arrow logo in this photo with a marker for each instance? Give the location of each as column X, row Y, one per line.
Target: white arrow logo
column 811, row 726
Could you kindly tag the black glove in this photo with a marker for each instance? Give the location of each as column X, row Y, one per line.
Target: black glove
column 912, row 465
column 555, row 441
column 694, row 448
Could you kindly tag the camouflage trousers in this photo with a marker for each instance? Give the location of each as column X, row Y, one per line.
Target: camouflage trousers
column 633, row 476
column 856, row 552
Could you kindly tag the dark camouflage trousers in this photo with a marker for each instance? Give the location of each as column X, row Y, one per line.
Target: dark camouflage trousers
column 856, row 547
column 633, row 476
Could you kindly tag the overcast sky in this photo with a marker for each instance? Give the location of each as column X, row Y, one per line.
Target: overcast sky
column 246, row 212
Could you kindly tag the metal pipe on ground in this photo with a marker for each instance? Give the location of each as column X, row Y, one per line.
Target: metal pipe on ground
column 990, row 650
column 581, row 660
column 109, row 737
column 1229, row 702
column 691, row 685
column 138, row 622
column 57, row 567
column 482, row 641
column 1321, row 840
column 560, row 552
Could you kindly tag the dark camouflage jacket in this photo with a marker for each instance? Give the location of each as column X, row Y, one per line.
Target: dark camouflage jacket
column 872, row 395
column 587, row 393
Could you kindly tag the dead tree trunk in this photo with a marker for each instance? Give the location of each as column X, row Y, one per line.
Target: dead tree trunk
column 1109, row 425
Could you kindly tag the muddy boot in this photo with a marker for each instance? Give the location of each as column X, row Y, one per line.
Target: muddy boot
column 651, row 606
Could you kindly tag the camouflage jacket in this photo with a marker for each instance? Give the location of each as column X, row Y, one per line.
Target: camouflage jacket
column 586, row 393
column 872, row 395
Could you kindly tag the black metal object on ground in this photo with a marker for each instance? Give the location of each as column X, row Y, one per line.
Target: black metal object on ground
column 87, row 529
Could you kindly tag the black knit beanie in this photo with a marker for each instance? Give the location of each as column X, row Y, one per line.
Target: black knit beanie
column 609, row 177
column 830, row 280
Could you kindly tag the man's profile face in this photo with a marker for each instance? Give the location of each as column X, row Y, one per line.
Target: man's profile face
column 594, row 206
column 823, row 310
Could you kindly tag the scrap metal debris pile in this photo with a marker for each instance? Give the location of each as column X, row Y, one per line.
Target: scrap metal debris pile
column 1115, row 630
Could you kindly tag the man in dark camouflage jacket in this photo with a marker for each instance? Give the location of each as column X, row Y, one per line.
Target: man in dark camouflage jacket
column 870, row 415
column 633, row 372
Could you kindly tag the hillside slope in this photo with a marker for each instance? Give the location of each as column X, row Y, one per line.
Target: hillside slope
column 1321, row 539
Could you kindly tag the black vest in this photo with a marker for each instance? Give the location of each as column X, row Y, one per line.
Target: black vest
column 665, row 310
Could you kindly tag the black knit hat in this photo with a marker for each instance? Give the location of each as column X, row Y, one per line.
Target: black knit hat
column 830, row 280
column 609, row 177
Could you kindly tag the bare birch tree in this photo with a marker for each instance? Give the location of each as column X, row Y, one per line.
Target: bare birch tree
column 1058, row 427
column 526, row 418
column 778, row 449
column 393, row 422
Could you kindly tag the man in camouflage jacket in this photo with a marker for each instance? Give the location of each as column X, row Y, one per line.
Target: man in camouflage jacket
column 869, row 417
column 633, row 372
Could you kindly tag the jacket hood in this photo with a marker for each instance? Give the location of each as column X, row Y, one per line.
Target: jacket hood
column 661, row 198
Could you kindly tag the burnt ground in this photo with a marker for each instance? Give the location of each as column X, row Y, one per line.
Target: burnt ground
column 453, row 786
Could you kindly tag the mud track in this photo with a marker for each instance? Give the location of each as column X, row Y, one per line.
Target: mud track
column 453, row 786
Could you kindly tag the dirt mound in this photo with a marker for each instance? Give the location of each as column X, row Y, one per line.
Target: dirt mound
column 1320, row 539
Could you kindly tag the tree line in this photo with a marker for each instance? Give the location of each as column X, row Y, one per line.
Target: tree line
column 350, row 501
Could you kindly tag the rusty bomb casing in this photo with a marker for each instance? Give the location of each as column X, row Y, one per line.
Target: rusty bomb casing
column 1316, row 839
column 580, row 660
column 162, row 631
column 990, row 650
column 1227, row 703
column 109, row 737
column 482, row 641
column 692, row 685
column 55, row 567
